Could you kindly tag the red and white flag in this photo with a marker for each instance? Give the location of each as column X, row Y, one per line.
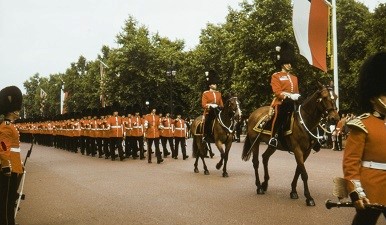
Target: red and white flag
column 310, row 23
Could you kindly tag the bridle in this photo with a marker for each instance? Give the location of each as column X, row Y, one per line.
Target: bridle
column 236, row 111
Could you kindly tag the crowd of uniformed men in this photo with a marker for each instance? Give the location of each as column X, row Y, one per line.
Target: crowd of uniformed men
column 103, row 131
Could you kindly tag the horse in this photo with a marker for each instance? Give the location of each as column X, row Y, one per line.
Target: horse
column 223, row 130
column 300, row 142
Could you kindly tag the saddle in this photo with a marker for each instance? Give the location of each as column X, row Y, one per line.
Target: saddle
column 264, row 125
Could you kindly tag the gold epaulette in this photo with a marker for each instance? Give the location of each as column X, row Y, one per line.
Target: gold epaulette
column 357, row 122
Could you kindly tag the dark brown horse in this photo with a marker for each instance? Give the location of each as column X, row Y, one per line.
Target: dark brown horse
column 299, row 142
column 223, row 130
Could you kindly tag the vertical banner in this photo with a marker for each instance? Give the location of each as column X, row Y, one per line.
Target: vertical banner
column 310, row 24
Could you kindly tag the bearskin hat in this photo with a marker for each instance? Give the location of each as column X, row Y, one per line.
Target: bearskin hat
column 212, row 77
column 11, row 99
column 372, row 80
column 285, row 54
column 179, row 110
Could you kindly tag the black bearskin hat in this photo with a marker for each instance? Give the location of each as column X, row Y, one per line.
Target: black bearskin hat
column 285, row 54
column 178, row 111
column 11, row 99
column 372, row 80
column 212, row 77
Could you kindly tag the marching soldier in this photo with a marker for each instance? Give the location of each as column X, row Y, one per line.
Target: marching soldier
column 11, row 166
column 167, row 134
column 115, row 124
column 152, row 126
column 180, row 136
column 138, row 134
column 129, row 141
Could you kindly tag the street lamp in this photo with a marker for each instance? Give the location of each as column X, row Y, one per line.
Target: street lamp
column 171, row 74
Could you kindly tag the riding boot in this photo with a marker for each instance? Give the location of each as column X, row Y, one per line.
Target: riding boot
column 207, row 130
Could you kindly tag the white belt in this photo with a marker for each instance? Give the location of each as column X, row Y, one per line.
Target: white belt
column 15, row 149
column 128, row 128
column 167, row 128
column 116, row 126
column 179, row 128
column 374, row 165
column 137, row 127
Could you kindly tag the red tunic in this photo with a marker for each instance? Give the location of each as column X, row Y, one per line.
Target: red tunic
column 211, row 97
column 371, row 146
column 116, row 126
column 153, row 122
column 180, row 128
column 9, row 138
column 283, row 82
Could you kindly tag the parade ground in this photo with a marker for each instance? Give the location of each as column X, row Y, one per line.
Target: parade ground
column 63, row 188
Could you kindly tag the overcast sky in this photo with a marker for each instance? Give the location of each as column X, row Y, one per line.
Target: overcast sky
column 45, row 36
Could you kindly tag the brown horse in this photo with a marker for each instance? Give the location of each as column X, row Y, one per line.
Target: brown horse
column 223, row 130
column 299, row 142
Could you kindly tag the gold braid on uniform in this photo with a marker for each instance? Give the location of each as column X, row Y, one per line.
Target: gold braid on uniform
column 357, row 122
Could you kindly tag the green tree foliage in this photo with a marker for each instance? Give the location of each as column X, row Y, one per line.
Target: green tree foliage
column 241, row 50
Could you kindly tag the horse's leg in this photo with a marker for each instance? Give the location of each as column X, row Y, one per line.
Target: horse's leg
column 196, row 164
column 206, row 171
column 228, row 146
column 255, row 161
column 301, row 170
column 266, row 155
column 222, row 153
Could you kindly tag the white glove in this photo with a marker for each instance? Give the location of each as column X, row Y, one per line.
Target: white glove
column 211, row 105
column 294, row 97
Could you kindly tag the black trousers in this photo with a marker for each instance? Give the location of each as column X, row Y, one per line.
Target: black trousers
column 164, row 141
column 283, row 111
column 8, row 194
column 367, row 217
column 116, row 142
column 138, row 146
column 178, row 141
column 150, row 142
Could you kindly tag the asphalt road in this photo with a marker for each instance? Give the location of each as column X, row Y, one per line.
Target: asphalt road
column 68, row 188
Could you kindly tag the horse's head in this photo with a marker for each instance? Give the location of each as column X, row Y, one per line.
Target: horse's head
column 327, row 99
column 234, row 105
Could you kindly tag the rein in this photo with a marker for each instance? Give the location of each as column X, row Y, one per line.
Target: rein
column 231, row 127
column 305, row 126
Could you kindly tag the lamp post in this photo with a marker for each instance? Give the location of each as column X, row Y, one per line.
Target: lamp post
column 147, row 106
column 171, row 74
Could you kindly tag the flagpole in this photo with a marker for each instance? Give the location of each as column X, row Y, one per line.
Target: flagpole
column 335, row 51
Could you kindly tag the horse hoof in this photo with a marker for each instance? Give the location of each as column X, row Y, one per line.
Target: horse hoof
column 196, row 170
column 225, row 174
column 294, row 195
column 310, row 202
column 206, row 172
column 260, row 191
column 265, row 186
column 218, row 166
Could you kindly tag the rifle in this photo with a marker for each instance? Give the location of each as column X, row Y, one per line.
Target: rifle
column 340, row 191
column 329, row 204
column 21, row 179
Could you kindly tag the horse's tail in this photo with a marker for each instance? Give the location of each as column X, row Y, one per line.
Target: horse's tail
column 194, row 147
column 247, row 149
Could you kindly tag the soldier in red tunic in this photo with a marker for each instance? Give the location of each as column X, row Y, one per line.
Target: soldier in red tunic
column 364, row 160
column 11, row 165
column 210, row 101
column 285, row 89
column 115, row 125
column 180, row 135
column 152, row 126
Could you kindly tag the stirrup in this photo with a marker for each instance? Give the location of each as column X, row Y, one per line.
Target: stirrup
column 273, row 142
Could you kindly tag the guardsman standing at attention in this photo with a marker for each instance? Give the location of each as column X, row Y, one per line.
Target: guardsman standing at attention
column 129, row 146
column 364, row 159
column 210, row 100
column 152, row 133
column 11, row 166
column 115, row 125
column 180, row 135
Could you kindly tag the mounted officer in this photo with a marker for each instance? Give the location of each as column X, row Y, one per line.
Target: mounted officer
column 285, row 89
column 211, row 100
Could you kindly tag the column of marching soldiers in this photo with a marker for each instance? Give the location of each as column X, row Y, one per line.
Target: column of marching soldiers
column 110, row 133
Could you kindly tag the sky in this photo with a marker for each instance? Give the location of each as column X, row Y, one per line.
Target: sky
column 46, row 36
